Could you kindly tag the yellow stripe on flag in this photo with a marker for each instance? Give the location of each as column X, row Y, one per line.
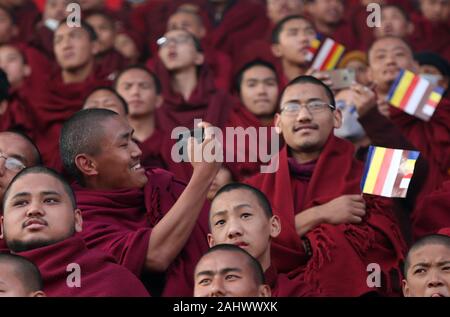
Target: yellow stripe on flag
column 409, row 165
column 315, row 43
column 435, row 97
column 335, row 58
column 402, row 87
column 374, row 170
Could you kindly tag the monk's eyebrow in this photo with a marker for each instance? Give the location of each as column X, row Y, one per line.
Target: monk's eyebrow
column 126, row 135
column 443, row 263
column 218, row 213
column 21, row 194
column 230, row 270
column 421, row 264
column 242, row 206
column 207, row 273
column 50, row 192
column 298, row 101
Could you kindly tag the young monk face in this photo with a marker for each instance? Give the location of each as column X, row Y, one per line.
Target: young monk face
column 222, row 178
column 55, row 9
column 179, row 52
column 435, row 10
column 237, row 217
column 279, row 9
column 12, row 62
column 393, row 23
column 386, row 58
column 105, row 99
column 308, row 130
column 326, row 11
column 429, row 272
column 294, row 41
column 16, row 154
column 118, row 165
column 190, row 22
column 105, row 31
column 11, row 283
column 7, row 29
column 259, row 90
column 38, row 212
column 138, row 89
column 73, row 48
column 226, row 274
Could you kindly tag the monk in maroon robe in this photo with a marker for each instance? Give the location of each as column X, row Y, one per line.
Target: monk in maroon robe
column 231, row 23
column 218, row 62
column 328, row 228
column 188, row 91
column 19, row 152
column 227, row 270
column 64, row 94
column 330, row 21
column 26, row 14
column 257, row 86
column 109, row 59
column 41, row 223
column 241, row 215
column 387, row 56
column 106, row 98
column 291, row 41
column 146, row 220
column 141, row 90
column 19, row 277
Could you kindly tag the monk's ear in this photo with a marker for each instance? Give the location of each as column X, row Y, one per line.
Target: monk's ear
column 38, row 294
column 159, row 101
column 95, row 47
column 277, row 123
column 86, row 165
column 211, row 241
column 410, row 28
column 1, row 228
column 3, row 106
column 276, row 50
column 199, row 60
column 405, row 289
column 275, row 226
column 202, row 32
column 78, row 220
column 264, row 291
column 337, row 118
column 26, row 70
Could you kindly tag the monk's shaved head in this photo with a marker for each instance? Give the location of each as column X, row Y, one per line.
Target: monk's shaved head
column 385, row 38
column 37, row 159
column 23, row 270
column 258, row 273
column 434, row 239
column 82, row 134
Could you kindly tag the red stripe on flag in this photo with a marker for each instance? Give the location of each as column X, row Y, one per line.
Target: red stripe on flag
column 330, row 56
column 382, row 175
column 432, row 103
column 409, row 92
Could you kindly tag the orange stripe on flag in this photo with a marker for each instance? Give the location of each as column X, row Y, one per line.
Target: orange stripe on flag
column 382, row 174
column 324, row 65
column 409, row 92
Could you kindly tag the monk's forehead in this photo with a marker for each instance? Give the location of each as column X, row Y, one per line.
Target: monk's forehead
column 389, row 44
column 227, row 201
column 101, row 94
column 15, row 145
column 36, row 183
column 297, row 23
column 135, row 74
column 431, row 251
column 64, row 29
column 220, row 260
column 9, row 49
column 304, row 92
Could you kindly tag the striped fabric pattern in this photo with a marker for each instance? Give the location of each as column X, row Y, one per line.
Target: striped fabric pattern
column 328, row 55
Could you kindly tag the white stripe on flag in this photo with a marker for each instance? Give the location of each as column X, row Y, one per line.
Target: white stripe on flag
column 323, row 53
column 405, row 183
column 392, row 174
column 416, row 96
column 428, row 110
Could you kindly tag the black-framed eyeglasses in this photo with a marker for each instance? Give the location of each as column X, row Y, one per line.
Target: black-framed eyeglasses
column 293, row 108
column 12, row 163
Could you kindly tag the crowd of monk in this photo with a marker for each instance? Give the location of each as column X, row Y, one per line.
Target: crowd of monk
column 94, row 203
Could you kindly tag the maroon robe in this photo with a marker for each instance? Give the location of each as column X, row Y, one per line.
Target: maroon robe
column 42, row 40
column 432, row 213
column 54, row 106
column 26, row 16
column 152, row 147
column 341, row 253
column 243, row 21
column 282, row 286
column 445, row 231
column 111, row 62
column 119, row 223
column 100, row 275
column 242, row 117
column 206, row 103
column 3, row 247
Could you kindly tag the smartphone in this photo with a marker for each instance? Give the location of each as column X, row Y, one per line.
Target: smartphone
column 197, row 133
column 341, row 78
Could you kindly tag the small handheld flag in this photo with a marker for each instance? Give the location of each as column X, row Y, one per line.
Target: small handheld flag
column 328, row 55
column 388, row 172
column 312, row 50
column 415, row 95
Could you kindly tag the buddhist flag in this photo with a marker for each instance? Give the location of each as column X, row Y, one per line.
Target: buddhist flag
column 415, row 95
column 328, row 55
column 312, row 51
column 388, row 172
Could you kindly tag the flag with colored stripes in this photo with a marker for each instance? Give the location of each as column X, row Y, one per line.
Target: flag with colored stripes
column 388, row 172
column 415, row 95
column 312, row 50
column 328, row 55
